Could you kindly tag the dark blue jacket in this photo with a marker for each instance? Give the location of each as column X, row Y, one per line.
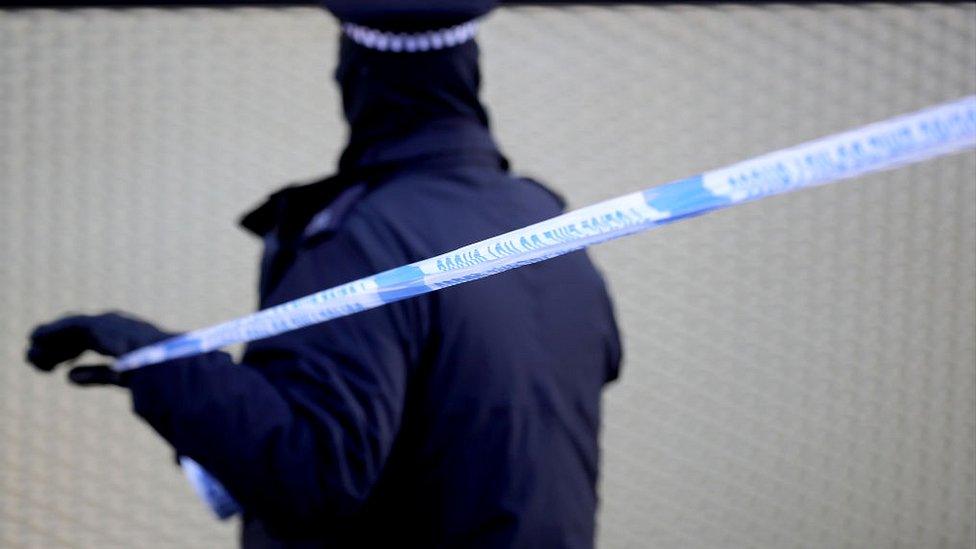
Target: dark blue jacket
column 467, row 417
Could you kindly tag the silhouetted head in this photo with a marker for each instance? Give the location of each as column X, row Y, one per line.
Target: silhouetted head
column 405, row 64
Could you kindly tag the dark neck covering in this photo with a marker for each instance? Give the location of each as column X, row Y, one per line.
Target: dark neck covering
column 406, row 111
column 405, row 106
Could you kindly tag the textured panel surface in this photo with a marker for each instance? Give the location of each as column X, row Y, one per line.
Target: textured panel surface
column 800, row 372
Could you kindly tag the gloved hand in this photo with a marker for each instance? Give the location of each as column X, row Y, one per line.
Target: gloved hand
column 114, row 334
column 110, row 334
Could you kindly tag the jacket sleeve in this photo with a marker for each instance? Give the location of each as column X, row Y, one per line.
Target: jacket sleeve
column 299, row 431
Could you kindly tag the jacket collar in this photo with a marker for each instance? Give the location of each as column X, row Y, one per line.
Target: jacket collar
column 293, row 210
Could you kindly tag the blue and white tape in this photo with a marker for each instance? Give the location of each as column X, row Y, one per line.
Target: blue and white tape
column 881, row 146
column 209, row 489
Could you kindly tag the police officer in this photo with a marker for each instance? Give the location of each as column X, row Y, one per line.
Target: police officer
column 467, row 417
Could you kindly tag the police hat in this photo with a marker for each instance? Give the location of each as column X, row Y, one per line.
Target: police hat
column 408, row 15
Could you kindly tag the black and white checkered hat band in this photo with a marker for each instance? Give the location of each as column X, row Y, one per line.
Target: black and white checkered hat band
column 411, row 42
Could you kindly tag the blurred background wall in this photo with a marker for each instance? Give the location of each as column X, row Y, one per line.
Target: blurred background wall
column 800, row 372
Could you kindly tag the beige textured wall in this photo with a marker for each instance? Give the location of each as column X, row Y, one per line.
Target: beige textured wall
column 800, row 372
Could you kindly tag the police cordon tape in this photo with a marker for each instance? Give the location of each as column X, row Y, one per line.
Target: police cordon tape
column 880, row 146
column 884, row 145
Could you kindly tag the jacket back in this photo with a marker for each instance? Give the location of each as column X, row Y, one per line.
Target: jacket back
column 478, row 406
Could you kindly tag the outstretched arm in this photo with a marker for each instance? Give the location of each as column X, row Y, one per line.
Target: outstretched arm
column 300, row 430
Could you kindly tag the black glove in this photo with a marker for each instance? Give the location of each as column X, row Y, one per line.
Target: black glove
column 110, row 334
